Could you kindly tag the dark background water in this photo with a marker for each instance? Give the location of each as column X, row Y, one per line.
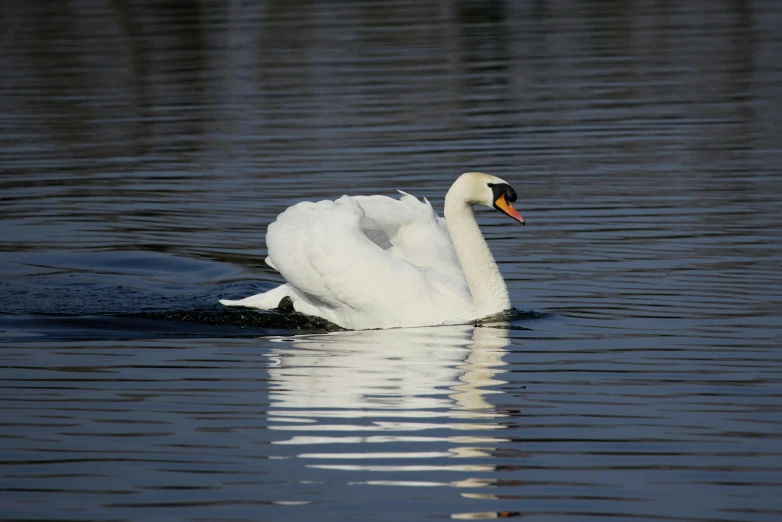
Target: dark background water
column 145, row 146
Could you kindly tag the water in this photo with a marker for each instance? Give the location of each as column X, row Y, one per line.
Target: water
column 146, row 146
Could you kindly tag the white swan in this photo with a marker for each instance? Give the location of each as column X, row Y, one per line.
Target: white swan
column 368, row 262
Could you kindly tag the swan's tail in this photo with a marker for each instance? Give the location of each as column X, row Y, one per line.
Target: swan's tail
column 264, row 301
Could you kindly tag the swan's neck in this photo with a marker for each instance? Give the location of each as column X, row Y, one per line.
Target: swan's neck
column 489, row 293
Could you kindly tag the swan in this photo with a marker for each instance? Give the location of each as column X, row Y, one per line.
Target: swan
column 368, row 262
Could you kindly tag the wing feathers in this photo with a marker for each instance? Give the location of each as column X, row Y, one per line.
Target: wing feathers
column 368, row 257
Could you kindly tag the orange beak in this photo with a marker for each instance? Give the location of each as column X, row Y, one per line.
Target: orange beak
column 503, row 205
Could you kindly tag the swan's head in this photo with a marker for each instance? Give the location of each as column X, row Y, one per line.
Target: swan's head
column 476, row 188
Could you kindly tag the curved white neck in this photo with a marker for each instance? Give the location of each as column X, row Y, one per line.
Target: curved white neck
column 489, row 293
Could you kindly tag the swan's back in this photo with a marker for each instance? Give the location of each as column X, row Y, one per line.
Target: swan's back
column 366, row 259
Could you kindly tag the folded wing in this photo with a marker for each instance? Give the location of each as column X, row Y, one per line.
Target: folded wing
column 368, row 258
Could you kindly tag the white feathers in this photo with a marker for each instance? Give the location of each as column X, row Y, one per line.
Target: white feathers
column 372, row 262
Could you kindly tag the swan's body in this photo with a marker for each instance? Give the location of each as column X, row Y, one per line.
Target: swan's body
column 375, row 262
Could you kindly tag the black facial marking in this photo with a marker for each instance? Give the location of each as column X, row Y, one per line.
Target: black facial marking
column 503, row 189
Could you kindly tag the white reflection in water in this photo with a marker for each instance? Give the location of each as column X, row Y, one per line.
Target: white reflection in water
column 442, row 373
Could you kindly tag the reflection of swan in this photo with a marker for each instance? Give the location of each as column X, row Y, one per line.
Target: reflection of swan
column 421, row 373
column 480, row 367
column 410, row 402
column 375, row 262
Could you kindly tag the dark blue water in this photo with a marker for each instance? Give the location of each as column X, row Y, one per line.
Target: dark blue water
column 145, row 147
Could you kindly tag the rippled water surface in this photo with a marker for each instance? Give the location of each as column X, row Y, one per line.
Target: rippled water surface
column 145, row 147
